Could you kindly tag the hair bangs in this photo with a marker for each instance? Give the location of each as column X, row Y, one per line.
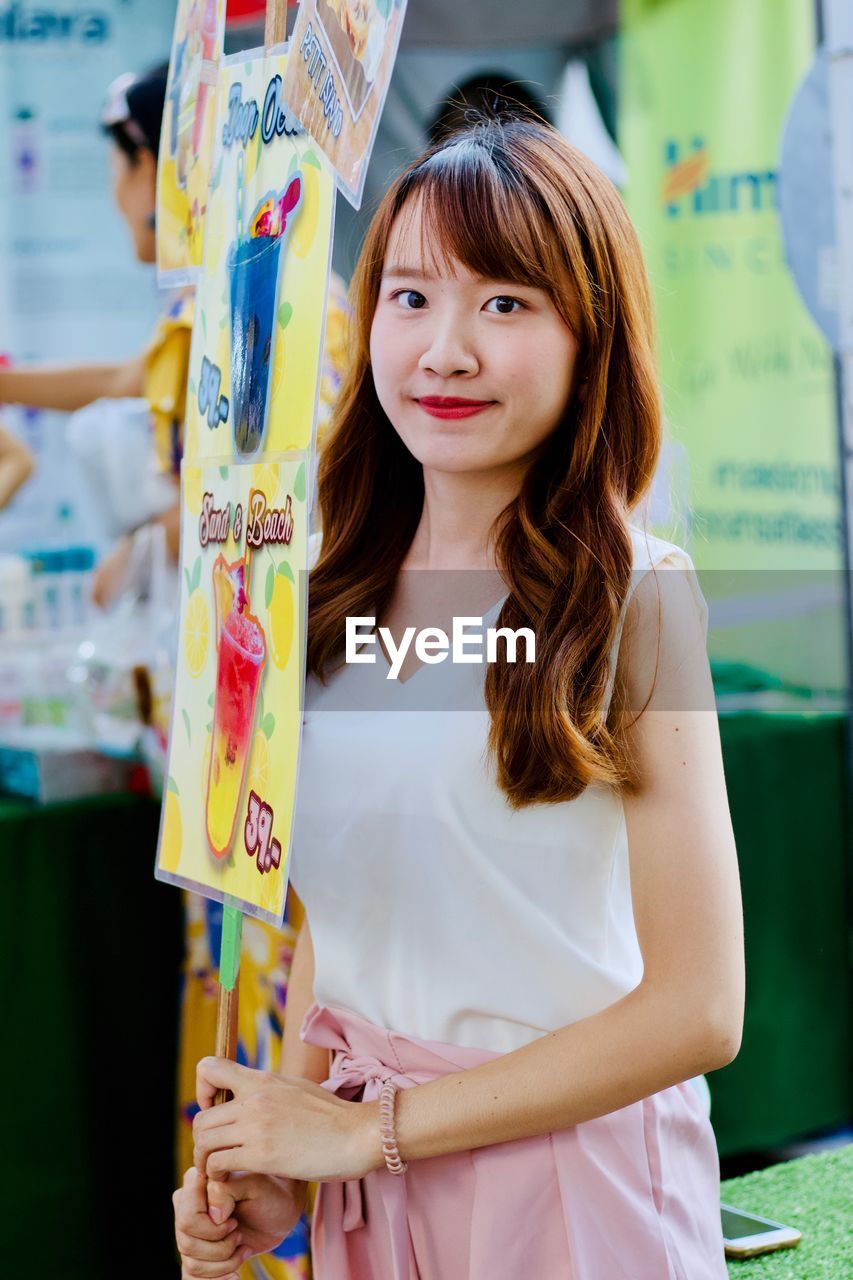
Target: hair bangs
column 471, row 208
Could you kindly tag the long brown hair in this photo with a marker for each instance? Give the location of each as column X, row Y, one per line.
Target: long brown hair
column 514, row 201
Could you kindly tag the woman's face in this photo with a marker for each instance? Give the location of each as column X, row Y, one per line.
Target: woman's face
column 473, row 374
column 135, row 192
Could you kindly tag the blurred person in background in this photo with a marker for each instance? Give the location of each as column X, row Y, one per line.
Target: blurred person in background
column 132, row 119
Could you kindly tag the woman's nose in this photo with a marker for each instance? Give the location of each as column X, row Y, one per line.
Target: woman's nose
column 450, row 352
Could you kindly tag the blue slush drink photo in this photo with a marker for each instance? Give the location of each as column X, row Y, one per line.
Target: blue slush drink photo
column 253, row 273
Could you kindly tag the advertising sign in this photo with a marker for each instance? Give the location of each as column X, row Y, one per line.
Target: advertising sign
column 250, row 415
column 343, row 56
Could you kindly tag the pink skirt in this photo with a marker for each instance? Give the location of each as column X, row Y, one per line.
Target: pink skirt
column 634, row 1195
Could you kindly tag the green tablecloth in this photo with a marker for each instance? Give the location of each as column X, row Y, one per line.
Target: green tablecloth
column 814, row 1195
column 788, row 796
column 91, row 951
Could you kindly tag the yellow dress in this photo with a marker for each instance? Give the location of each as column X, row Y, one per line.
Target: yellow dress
column 167, row 362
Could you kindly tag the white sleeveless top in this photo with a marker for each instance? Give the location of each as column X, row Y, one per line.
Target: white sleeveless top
column 436, row 910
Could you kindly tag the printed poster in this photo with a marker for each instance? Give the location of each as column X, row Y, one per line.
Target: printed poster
column 227, row 818
column 186, row 140
column 343, row 56
column 752, row 455
column 747, row 375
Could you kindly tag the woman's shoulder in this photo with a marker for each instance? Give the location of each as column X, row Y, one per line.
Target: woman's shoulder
column 682, row 596
column 650, row 550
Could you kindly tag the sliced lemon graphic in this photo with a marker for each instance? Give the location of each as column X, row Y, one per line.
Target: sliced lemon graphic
column 170, row 848
column 281, row 613
column 265, row 478
column 196, row 633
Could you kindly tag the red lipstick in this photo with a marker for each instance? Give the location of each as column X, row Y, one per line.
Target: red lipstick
column 452, row 406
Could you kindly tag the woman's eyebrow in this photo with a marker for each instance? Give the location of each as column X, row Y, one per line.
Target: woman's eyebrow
column 411, row 272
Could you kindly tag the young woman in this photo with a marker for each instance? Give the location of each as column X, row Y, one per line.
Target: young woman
column 521, row 893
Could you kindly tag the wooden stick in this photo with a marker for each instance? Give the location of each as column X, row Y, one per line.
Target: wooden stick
column 226, row 1031
column 275, row 28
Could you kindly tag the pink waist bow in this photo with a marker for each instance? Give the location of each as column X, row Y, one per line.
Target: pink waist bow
column 364, row 1057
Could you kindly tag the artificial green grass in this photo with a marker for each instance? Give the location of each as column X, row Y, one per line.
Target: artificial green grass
column 813, row 1194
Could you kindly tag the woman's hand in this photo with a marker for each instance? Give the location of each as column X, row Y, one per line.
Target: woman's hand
column 218, row 1225
column 281, row 1125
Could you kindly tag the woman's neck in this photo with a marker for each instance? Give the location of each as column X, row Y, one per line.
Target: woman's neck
column 459, row 512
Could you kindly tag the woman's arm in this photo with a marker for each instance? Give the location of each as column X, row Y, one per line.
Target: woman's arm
column 306, row 1061
column 16, row 466
column 69, row 387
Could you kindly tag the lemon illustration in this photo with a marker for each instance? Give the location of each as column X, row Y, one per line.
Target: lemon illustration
column 271, row 890
column 170, row 846
column 281, row 621
column 265, row 478
column 308, row 215
column 196, row 633
column 192, row 489
column 259, row 767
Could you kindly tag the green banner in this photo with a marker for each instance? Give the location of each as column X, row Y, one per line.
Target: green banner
column 751, row 461
column 749, row 478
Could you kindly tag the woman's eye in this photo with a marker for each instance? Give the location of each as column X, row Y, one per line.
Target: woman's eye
column 410, row 299
column 503, row 305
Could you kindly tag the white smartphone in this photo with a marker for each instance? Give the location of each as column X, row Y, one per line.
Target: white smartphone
column 745, row 1235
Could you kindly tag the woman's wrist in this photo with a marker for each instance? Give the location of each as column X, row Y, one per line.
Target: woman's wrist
column 367, row 1135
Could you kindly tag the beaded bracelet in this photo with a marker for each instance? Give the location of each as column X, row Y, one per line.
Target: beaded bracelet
column 386, row 1128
